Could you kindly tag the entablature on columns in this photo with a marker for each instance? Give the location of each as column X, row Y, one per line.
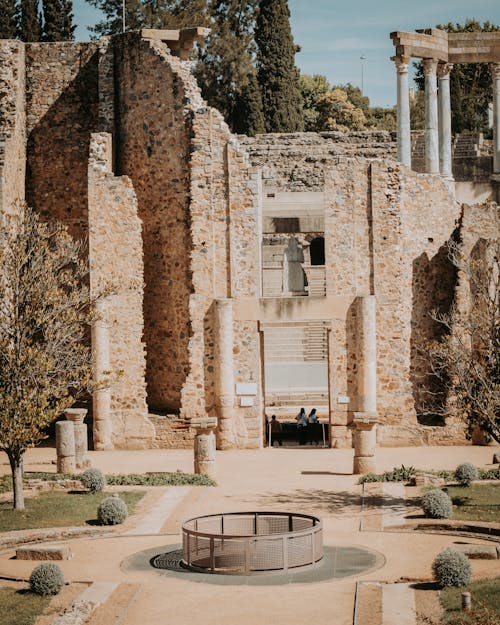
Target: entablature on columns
column 433, row 43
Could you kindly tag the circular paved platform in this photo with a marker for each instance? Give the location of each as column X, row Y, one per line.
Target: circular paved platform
column 338, row 563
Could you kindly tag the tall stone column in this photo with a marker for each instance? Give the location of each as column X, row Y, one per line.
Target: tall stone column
column 495, row 73
column 224, row 372
column 445, row 160
column 431, row 117
column 102, row 427
column 403, row 111
column 365, row 419
column 367, row 355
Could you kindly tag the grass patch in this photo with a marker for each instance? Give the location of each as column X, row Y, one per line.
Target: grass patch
column 177, row 478
column 59, row 509
column 478, row 502
column 20, row 607
column 485, row 602
column 403, row 474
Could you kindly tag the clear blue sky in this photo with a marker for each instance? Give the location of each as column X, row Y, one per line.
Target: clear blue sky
column 333, row 34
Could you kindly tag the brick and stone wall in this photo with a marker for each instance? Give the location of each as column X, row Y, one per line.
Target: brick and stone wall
column 116, row 267
column 61, row 113
column 12, row 124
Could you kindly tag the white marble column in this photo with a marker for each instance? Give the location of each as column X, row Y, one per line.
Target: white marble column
column 431, row 117
column 445, row 159
column 495, row 73
column 102, row 427
column 224, row 372
column 403, row 111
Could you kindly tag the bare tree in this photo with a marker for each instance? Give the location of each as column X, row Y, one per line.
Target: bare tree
column 45, row 311
column 467, row 358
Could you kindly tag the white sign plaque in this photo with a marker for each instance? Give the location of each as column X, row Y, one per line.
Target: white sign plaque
column 343, row 399
column 246, row 388
column 246, row 400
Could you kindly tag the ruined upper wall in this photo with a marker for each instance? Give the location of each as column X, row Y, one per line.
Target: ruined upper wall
column 61, row 114
column 296, row 162
column 12, row 124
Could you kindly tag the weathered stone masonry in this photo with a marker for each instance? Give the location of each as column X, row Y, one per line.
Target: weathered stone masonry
column 113, row 138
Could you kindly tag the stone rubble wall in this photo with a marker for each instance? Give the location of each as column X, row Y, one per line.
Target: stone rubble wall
column 62, row 112
column 116, row 264
column 297, row 161
column 12, row 124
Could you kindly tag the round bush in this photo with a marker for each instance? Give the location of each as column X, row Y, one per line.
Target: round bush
column 465, row 473
column 93, row 479
column 452, row 568
column 437, row 504
column 46, row 579
column 112, row 511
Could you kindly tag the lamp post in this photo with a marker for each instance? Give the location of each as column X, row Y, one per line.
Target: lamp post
column 123, row 16
column 362, row 59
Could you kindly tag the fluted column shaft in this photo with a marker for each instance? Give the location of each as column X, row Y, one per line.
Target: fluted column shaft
column 403, row 111
column 445, row 158
column 431, row 117
column 495, row 73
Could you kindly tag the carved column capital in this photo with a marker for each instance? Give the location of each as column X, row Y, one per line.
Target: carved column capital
column 402, row 63
column 443, row 70
column 430, row 66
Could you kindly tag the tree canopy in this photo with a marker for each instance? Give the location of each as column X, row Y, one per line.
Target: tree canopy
column 58, row 20
column 30, row 21
column 277, row 73
column 8, row 20
column 45, row 312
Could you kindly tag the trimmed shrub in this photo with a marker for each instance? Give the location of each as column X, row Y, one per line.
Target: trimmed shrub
column 465, row 473
column 437, row 504
column 93, row 479
column 452, row 568
column 46, row 579
column 112, row 511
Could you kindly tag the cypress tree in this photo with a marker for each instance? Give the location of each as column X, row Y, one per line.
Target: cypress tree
column 278, row 76
column 226, row 73
column 30, row 27
column 58, row 20
column 8, row 20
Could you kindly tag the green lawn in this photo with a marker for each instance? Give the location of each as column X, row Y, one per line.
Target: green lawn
column 59, row 509
column 20, row 607
column 479, row 502
column 485, row 602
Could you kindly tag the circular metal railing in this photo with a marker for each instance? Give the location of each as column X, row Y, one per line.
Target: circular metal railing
column 246, row 543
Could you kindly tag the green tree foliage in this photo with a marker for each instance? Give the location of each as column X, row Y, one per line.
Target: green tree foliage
column 149, row 14
column 278, row 76
column 470, row 83
column 30, row 23
column 226, row 72
column 313, row 88
column 380, row 118
column 8, row 20
column 45, row 362
column 58, row 20
column 417, row 111
column 336, row 112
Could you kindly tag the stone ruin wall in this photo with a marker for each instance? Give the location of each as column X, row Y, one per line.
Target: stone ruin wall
column 61, row 113
column 12, row 124
column 116, row 265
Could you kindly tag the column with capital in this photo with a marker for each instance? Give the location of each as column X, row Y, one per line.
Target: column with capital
column 445, row 159
column 431, row 117
column 403, row 111
column 495, row 74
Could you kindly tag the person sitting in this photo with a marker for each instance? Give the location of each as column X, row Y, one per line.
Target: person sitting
column 276, row 431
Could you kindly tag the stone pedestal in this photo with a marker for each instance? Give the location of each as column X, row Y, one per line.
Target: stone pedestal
column 403, row 111
column 365, row 441
column 77, row 415
column 204, row 445
column 224, row 372
column 65, row 447
column 102, row 394
column 431, row 117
